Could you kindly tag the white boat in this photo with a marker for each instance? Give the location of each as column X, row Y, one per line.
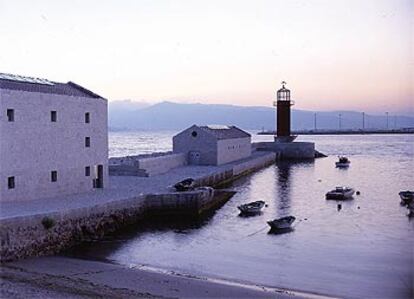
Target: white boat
column 342, row 162
column 252, row 207
column 406, row 197
column 340, row 193
column 281, row 223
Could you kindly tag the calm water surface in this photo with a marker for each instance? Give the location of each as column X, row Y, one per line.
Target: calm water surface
column 364, row 250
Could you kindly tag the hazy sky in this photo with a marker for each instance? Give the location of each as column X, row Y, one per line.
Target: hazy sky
column 333, row 54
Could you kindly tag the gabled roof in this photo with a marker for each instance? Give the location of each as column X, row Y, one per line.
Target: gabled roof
column 225, row 132
column 30, row 84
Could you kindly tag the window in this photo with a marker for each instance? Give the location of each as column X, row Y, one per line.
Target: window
column 10, row 114
column 10, row 182
column 87, row 118
column 87, row 141
column 87, row 171
column 53, row 176
column 194, row 134
column 53, row 116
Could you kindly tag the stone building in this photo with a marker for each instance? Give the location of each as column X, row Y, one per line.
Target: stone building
column 53, row 138
column 212, row 145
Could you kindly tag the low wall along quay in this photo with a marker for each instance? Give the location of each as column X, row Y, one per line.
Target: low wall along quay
column 50, row 231
column 146, row 165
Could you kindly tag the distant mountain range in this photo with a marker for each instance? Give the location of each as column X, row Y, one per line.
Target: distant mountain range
column 130, row 115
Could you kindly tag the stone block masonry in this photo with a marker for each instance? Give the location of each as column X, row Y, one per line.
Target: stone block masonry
column 27, row 235
column 162, row 164
column 31, row 236
column 35, row 144
column 288, row 150
column 146, row 165
column 49, row 226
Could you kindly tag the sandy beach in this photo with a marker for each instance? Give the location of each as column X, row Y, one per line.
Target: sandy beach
column 64, row 277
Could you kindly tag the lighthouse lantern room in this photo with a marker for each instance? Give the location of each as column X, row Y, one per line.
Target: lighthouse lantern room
column 283, row 104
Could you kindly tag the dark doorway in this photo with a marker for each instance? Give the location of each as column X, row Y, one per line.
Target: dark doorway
column 98, row 181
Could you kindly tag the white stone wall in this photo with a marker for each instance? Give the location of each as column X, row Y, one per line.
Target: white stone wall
column 212, row 151
column 204, row 143
column 161, row 164
column 254, row 164
column 32, row 146
column 234, row 149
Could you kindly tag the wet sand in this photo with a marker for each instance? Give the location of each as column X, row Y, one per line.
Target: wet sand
column 64, row 277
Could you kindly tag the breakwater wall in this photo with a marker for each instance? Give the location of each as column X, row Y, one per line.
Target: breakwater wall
column 288, row 150
column 51, row 232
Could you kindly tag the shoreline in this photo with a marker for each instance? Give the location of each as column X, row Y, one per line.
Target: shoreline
column 229, row 282
column 84, row 278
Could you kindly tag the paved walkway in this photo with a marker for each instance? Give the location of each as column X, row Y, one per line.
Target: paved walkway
column 120, row 187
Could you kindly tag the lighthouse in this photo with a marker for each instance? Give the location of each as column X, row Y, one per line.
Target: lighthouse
column 282, row 105
column 283, row 144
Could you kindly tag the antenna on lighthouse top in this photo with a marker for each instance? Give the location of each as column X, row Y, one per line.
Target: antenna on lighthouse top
column 283, row 84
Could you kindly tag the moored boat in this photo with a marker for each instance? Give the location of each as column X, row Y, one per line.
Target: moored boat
column 252, row 207
column 185, row 185
column 406, row 197
column 281, row 223
column 340, row 193
column 342, row 162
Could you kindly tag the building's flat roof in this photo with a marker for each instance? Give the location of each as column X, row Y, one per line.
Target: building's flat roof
column 31, row 84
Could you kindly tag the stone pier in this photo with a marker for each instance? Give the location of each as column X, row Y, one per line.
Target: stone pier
column 288, row 150
column 47, row 226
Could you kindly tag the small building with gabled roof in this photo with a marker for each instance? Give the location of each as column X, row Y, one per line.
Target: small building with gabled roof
column 53, row 138
column 212, row 145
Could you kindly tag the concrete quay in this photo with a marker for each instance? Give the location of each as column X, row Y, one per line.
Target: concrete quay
column 47, row 226
column 289, row 150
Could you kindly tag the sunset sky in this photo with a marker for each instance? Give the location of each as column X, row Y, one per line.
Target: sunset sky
column 352, row 55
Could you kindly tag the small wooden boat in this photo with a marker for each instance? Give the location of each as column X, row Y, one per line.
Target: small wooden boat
column 281, row 223
column 185, row 185
column 406, row 197
column 342, row 162
column 252, row 207
column 340, row 193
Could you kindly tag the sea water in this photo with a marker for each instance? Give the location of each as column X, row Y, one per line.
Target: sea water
column 363, row 250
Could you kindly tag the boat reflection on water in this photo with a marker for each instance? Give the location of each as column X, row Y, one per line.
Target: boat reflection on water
column 284, row 222
column 280, row 231
column 284, row 188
